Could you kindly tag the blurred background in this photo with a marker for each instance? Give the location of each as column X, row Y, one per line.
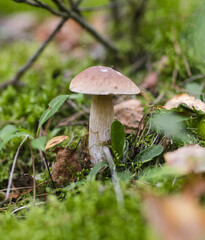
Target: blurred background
column 159, row 44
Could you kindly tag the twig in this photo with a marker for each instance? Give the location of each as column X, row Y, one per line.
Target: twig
column 28, row 2
column 116, row 184
column 15, row 188
column 78, row 2
column 102, row 7
column 58, row 4
column 108, row 44
column 72, row 137
column 71, row 119
column 68, row 13
column 71, row 3
column 50, row 9
column 174, row 77
column 43, row 161
column 27, row 206
column 12, row 169
column 34, row 173
column 192, row 78
column 48, row 169
column 30, row 62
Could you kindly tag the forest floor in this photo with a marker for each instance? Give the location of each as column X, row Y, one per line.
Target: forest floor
column 151, row 184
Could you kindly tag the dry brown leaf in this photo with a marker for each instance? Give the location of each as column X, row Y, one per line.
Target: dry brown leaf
column 194, row 187
column 26, row 180
column 66, row 165
column 151, row 80
column 17, row 25
column 187, row 159
column 162, row 63
column 54, row 141
column 129, row 112
column 184, row 98
column 99, row 22
column 16, row 195
column 176, row 217
column 67, row 38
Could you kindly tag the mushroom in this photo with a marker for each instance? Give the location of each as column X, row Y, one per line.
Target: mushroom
column 101, row 82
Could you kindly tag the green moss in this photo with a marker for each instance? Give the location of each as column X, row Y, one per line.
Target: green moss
column 90, row 212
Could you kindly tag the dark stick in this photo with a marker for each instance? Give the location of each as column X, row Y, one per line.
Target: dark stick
column 78, row 2
column 111, row 5
column 69, row 13
column 48, row 169
column 57, row 3
column 47, row 7
column 28, row 2
column 34, row 173
column 108, row 44
column 192, row 78
column 30, row 62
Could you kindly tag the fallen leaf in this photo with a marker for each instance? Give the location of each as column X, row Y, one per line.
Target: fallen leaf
column 187, row 159
column 99, row 22
column 16, row 26
column 16, row 195
column 162, row 63
column 66, row 165
column 175, row 217
column 26, row 180
column 54, row 141
column 129, row 112
column 150, row 81
column 67, row 38
column 184, row 98
column 194, row 187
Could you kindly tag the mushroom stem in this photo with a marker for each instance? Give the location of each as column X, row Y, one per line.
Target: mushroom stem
column 101, row 118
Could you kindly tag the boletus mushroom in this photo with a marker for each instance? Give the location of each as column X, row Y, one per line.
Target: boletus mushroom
column 101, row 82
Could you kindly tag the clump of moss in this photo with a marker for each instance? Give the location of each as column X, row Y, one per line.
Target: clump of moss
column 89, row 212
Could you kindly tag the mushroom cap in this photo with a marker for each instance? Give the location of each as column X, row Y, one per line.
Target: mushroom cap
column 99, row 80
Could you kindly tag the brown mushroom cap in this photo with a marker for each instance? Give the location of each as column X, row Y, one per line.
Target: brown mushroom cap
column 100, row 80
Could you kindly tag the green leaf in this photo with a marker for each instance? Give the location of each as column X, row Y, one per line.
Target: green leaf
column 93, row 172
column 73, row 185
column 194, row 89
column 125, row 151
column 12, row 136
column 149, row 153
column 117, row 138
column 54, row 105
column 8, row 130
column 39, row 143
column 155, row 174
column 171, row 124
column 78, row 97
column 124, row 176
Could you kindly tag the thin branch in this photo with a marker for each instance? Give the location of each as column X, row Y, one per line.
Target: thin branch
column 78, row 2
column 12, row 169
column 93, row 32
column 45, row 6
column 192, row 78
column 58, row 4
column 53, row 184
column 115, row 181
column 27, row 206
column 75, row 16
column 28, row 2
column 30, row 62
column 34, row 173
column 68, row 13
column 102, row 7
column 71, row 3
column 50, row 9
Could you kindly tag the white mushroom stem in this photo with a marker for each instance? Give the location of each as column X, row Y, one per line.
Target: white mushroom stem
column 101, row 118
